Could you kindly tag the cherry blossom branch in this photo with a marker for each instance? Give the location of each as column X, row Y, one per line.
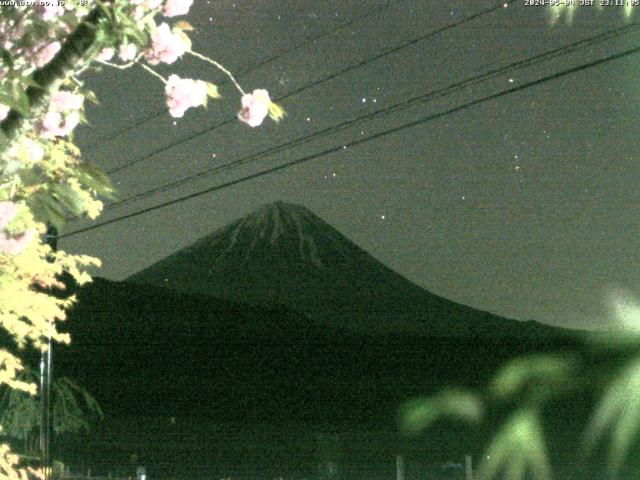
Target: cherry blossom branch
column 219, row 67
column 53, row 73
column 123, row 66
column 153, row 72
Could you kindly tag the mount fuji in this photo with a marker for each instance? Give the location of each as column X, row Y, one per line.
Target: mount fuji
column 282, row 254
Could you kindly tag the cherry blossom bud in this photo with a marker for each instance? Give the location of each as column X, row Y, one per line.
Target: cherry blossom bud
column 255, row 107
column 173, row 8
column 184, row 93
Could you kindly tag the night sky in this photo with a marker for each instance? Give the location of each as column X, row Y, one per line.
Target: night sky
column 525, row 205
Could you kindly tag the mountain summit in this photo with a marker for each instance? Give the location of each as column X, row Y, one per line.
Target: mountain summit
column 283, row 254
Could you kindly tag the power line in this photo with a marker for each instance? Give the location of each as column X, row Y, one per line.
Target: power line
column 353, row 143
column 315, row 83
column 394, row 108
column 273, row 58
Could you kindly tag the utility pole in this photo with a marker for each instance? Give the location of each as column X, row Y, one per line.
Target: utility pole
column 46, row 360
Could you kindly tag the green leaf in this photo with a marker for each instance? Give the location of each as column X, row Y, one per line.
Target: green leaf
column 22, row 103
column 95, row 179
column 518, row 448
column 276, row 112
column 420, row 413
column 618, row 412
column 91, row 97
column 68, row 199
column 45, row 209
column 4, row 141
column 212, row 90
column 6, row 99
column 184, row 25
column 140, row 37
column 539, row 375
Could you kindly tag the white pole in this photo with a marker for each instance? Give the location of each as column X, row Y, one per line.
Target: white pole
column 399, row 467
column 468, row 467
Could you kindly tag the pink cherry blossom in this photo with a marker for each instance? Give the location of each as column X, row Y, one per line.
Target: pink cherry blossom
column 7, row 212
column 65, row 101
column 51, row 124
column 127, row 52
column 4, row 111
column 166, row 46
column 71, row 121
column 184, row 93
column 255, row 107
column 34, row 150
column 149, row 4
column 49, row 11
column 63, row 114
column 173, row 8
column 11, row 244
column 55, row 124
column 46, row 54
column 106, row 54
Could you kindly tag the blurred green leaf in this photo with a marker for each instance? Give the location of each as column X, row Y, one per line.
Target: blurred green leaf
column 618, row 412
column 23, row 103
column 540, row 375
column 212, row 90
column 68, row 199
column 420, row 413
column 135, row 34
column 46, row 209
column 518, row 449
column 92, row 177
column 4, row 142
column 276, row 112
column 184, row 25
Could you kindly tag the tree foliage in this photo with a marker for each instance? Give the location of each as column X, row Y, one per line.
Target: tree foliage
column 529, row 389
column 46, row 50
column 72, row 408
